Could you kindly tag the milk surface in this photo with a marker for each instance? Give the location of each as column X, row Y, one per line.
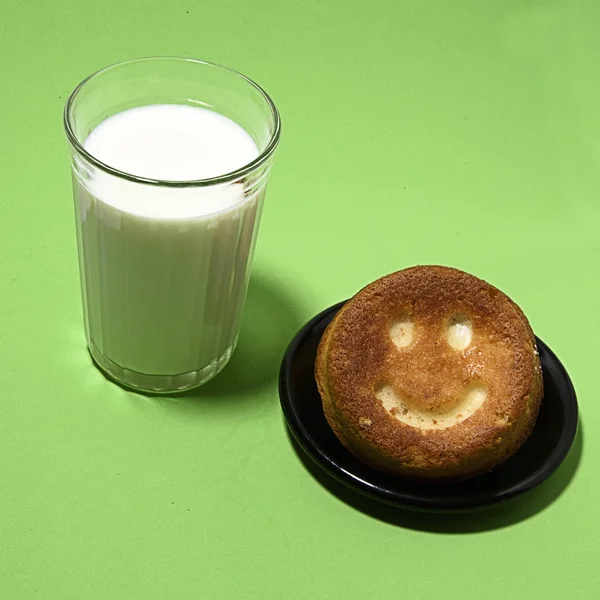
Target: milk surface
column 165, row 270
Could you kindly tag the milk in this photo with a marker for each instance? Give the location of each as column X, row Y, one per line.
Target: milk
column 164, row 270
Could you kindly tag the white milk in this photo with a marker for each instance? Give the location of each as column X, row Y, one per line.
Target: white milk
column 164, row 270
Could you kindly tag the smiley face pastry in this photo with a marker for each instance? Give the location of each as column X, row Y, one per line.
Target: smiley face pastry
column 430, row 372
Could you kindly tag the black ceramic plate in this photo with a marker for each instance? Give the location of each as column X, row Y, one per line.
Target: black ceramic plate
column 535, row 461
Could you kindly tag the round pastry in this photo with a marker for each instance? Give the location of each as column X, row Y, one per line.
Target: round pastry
column 430, row 372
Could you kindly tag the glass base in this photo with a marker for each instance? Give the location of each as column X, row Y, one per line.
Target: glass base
column 160, row 384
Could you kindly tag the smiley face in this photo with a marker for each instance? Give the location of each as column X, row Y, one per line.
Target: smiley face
column 427, row 370
column 422, row 381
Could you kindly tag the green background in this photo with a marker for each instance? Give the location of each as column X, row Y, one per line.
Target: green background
column 465, row 133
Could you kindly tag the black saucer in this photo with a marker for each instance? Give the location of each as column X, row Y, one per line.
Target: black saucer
column 536, row 460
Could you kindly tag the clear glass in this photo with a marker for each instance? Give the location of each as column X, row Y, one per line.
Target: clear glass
column 163, row 298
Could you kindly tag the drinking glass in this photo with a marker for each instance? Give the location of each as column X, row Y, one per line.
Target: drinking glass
column 163, row 296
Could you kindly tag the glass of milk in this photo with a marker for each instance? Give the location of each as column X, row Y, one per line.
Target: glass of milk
column 170, row 161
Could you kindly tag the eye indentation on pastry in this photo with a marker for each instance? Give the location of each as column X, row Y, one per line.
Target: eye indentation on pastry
column 402, row 331
column 459, row 331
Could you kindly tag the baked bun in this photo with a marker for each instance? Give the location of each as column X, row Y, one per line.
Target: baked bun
column 430, row 372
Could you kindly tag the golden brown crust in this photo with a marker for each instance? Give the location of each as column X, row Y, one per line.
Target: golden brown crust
column 357, row 356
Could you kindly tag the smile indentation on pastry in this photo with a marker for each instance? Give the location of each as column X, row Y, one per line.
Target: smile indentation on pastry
column 459, row 331
column 402, row 331
column 405, row 411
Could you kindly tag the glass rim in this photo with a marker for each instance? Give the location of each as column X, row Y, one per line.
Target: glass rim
column 224, row 178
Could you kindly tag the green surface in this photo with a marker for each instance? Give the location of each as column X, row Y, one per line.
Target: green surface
column 462, row 133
